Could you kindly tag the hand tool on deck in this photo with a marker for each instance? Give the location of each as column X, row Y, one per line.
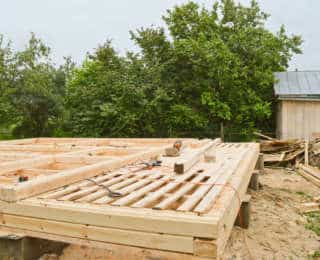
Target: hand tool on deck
column 111, row 194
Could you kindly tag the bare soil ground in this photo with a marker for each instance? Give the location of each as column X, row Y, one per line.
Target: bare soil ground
column 277, row 229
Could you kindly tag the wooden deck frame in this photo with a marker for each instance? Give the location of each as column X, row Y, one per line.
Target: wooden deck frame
column 72, row 153
column 200, row 234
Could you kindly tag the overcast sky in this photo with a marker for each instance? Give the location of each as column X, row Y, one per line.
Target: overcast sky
column 73, row 27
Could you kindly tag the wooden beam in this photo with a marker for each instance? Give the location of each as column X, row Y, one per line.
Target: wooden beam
column 40, row 185
column 226, row 208
column 190, row 159
column 148, row 220
column 116, row 252
column 309, row 174
column 26, row 163
column 109, row 235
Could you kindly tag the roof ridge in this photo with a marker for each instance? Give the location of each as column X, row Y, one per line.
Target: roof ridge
column 300, row 84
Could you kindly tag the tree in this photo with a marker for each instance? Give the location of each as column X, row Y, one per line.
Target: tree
column 215, row 66
column 219, row 63
column 6, row 78
column 33, row 89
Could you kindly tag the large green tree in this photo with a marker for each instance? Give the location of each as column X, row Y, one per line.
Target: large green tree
column 207, row 67
column 218, row 63
column 32, row 90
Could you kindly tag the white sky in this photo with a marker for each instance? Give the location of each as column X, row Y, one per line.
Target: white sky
column 74, row 27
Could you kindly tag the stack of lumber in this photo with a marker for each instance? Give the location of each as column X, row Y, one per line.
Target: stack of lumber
column 277, row 151
column 184, row 206
column 289, row 152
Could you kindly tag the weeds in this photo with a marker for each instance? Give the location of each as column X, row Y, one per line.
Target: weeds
column 314, row 222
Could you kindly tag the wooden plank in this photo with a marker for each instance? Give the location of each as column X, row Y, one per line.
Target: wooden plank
column 65, row 177
column 167, row 202
column 193, row 200
column 115, row 252
column 115, row 217
column 207, row 202
column 138, row 194
column 127, row 190
column 109, row 235
column 151, row 198
column 26, row 163
column 189, row 160
column 307, row 175
column 205, row 248
column 93, row 187
column 19, row 142
column 114, row 187
column 309, row 207
column 226, row 208
column 75, row 187
column 40, row 148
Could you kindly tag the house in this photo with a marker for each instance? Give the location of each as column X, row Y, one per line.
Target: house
column 298, row 95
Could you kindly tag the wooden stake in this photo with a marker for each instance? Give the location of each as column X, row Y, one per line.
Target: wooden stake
column 306, row 153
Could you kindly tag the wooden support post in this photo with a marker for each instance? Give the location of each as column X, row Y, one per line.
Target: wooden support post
column 243, row 217
column 222, row 132
column 25, row 248
column 254, row 181
column 260, row 163
column 306, row 153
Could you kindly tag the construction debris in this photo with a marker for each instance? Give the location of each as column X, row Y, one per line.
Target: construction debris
column 310, row 173
column 309, row 207
column 290, row 152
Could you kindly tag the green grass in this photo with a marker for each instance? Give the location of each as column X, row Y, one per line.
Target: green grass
column 314, row 256
column 313, row 222
column 303, row 194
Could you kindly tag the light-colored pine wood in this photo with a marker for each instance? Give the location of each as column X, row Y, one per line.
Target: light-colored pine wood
column 127, row 237
column 151, row 198
column 73, row 175
column 154, row 200
column 193, row 200
column 227, row 207
column 166, row 203
column 190, row 159
column 207, row 202
column 116, row 252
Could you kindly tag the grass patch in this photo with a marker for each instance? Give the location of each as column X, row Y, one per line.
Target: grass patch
column 315, row 255
column 314, row 222
column 303, row 194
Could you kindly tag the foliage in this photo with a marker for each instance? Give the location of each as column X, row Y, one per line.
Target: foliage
column 206, row 67
column 33, row 90
column 314, row 222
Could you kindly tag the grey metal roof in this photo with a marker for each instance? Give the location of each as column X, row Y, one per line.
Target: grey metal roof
column 298, row 84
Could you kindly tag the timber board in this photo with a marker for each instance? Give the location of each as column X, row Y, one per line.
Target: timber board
column 200, row 204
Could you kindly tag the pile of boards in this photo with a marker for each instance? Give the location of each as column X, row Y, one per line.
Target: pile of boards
column 290, row 152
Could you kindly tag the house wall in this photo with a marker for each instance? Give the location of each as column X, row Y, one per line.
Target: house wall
column 298, row 119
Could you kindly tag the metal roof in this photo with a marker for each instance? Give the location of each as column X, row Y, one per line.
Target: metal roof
column 297, row 85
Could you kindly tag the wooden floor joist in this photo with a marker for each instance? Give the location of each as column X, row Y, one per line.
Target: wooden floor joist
column 66, row 195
